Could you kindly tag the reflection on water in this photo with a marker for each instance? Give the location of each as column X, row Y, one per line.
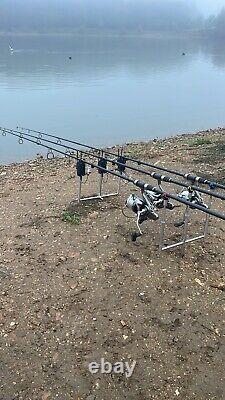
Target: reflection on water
column 92, row 59
column 109, row 90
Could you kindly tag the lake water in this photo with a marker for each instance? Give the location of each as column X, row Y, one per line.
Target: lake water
column 112, row 90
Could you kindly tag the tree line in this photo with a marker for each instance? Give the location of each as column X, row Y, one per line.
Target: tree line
column 119, row 16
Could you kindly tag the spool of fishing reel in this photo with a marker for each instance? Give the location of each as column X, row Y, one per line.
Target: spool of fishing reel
column 159, row 200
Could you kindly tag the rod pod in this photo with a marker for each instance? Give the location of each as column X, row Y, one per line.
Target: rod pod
column 194, row 179
column 154, row 175
column 138, row 183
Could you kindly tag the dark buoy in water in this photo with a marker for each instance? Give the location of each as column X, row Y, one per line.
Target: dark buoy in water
column 183, row 54
column 70, row 58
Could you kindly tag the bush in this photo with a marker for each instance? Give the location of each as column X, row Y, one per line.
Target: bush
column 71, row 218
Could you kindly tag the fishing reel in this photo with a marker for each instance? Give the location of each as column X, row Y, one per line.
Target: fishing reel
column 193, row 196
column 146, row 207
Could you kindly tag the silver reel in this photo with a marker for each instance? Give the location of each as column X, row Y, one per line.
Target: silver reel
column 193, row 196
column 145, row 208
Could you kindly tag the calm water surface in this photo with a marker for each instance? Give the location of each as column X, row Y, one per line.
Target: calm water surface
column 113, row 90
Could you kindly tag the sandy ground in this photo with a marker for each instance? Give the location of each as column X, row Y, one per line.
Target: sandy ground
column 73, row 292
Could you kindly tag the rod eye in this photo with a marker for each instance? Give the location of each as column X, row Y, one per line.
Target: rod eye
column 50, row 155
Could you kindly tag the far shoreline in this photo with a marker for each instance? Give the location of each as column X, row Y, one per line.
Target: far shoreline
column 112, row 34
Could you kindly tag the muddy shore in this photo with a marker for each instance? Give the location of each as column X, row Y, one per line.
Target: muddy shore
column 75, row 289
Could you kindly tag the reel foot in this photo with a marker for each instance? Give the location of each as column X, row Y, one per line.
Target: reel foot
column 134, row 236
column 178, row 224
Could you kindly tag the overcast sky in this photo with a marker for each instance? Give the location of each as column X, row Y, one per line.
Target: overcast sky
column 210, row 6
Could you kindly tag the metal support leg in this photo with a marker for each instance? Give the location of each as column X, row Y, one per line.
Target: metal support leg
column 162, row 227
column 206, row 230
column 100, row 195
column 185, row 239
column 100, row 186
column 186, row 221
column 79, row 190
column 119, row 186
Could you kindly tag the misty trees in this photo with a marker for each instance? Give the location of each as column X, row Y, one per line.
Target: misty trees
column 216, row 24
column 97, row 15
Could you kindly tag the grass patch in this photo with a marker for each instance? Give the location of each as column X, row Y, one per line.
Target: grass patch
column 220, row 149
column 212, row 155
column 199, row 142
column 73, row 219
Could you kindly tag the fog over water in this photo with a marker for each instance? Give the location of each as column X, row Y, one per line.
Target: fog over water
column 209, row 7
column 110, row 71
column 120, row 16
column 111, row 91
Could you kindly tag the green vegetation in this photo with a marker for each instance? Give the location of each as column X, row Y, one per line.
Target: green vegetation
column 212, row 154
column 71, row 218
column 200, row 142
column 220, row 149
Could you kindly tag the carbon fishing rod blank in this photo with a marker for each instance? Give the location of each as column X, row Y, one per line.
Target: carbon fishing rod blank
column 193, row 179
column 121, row 167
column 144, row 187
column 141, row 184
column 152, row 174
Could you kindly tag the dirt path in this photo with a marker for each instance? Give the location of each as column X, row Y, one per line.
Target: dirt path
column 73, row 292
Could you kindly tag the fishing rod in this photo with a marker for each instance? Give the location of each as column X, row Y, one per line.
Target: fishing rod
column 67, row 140
column 192, row 191
column 138, row 183
column 189, row 177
